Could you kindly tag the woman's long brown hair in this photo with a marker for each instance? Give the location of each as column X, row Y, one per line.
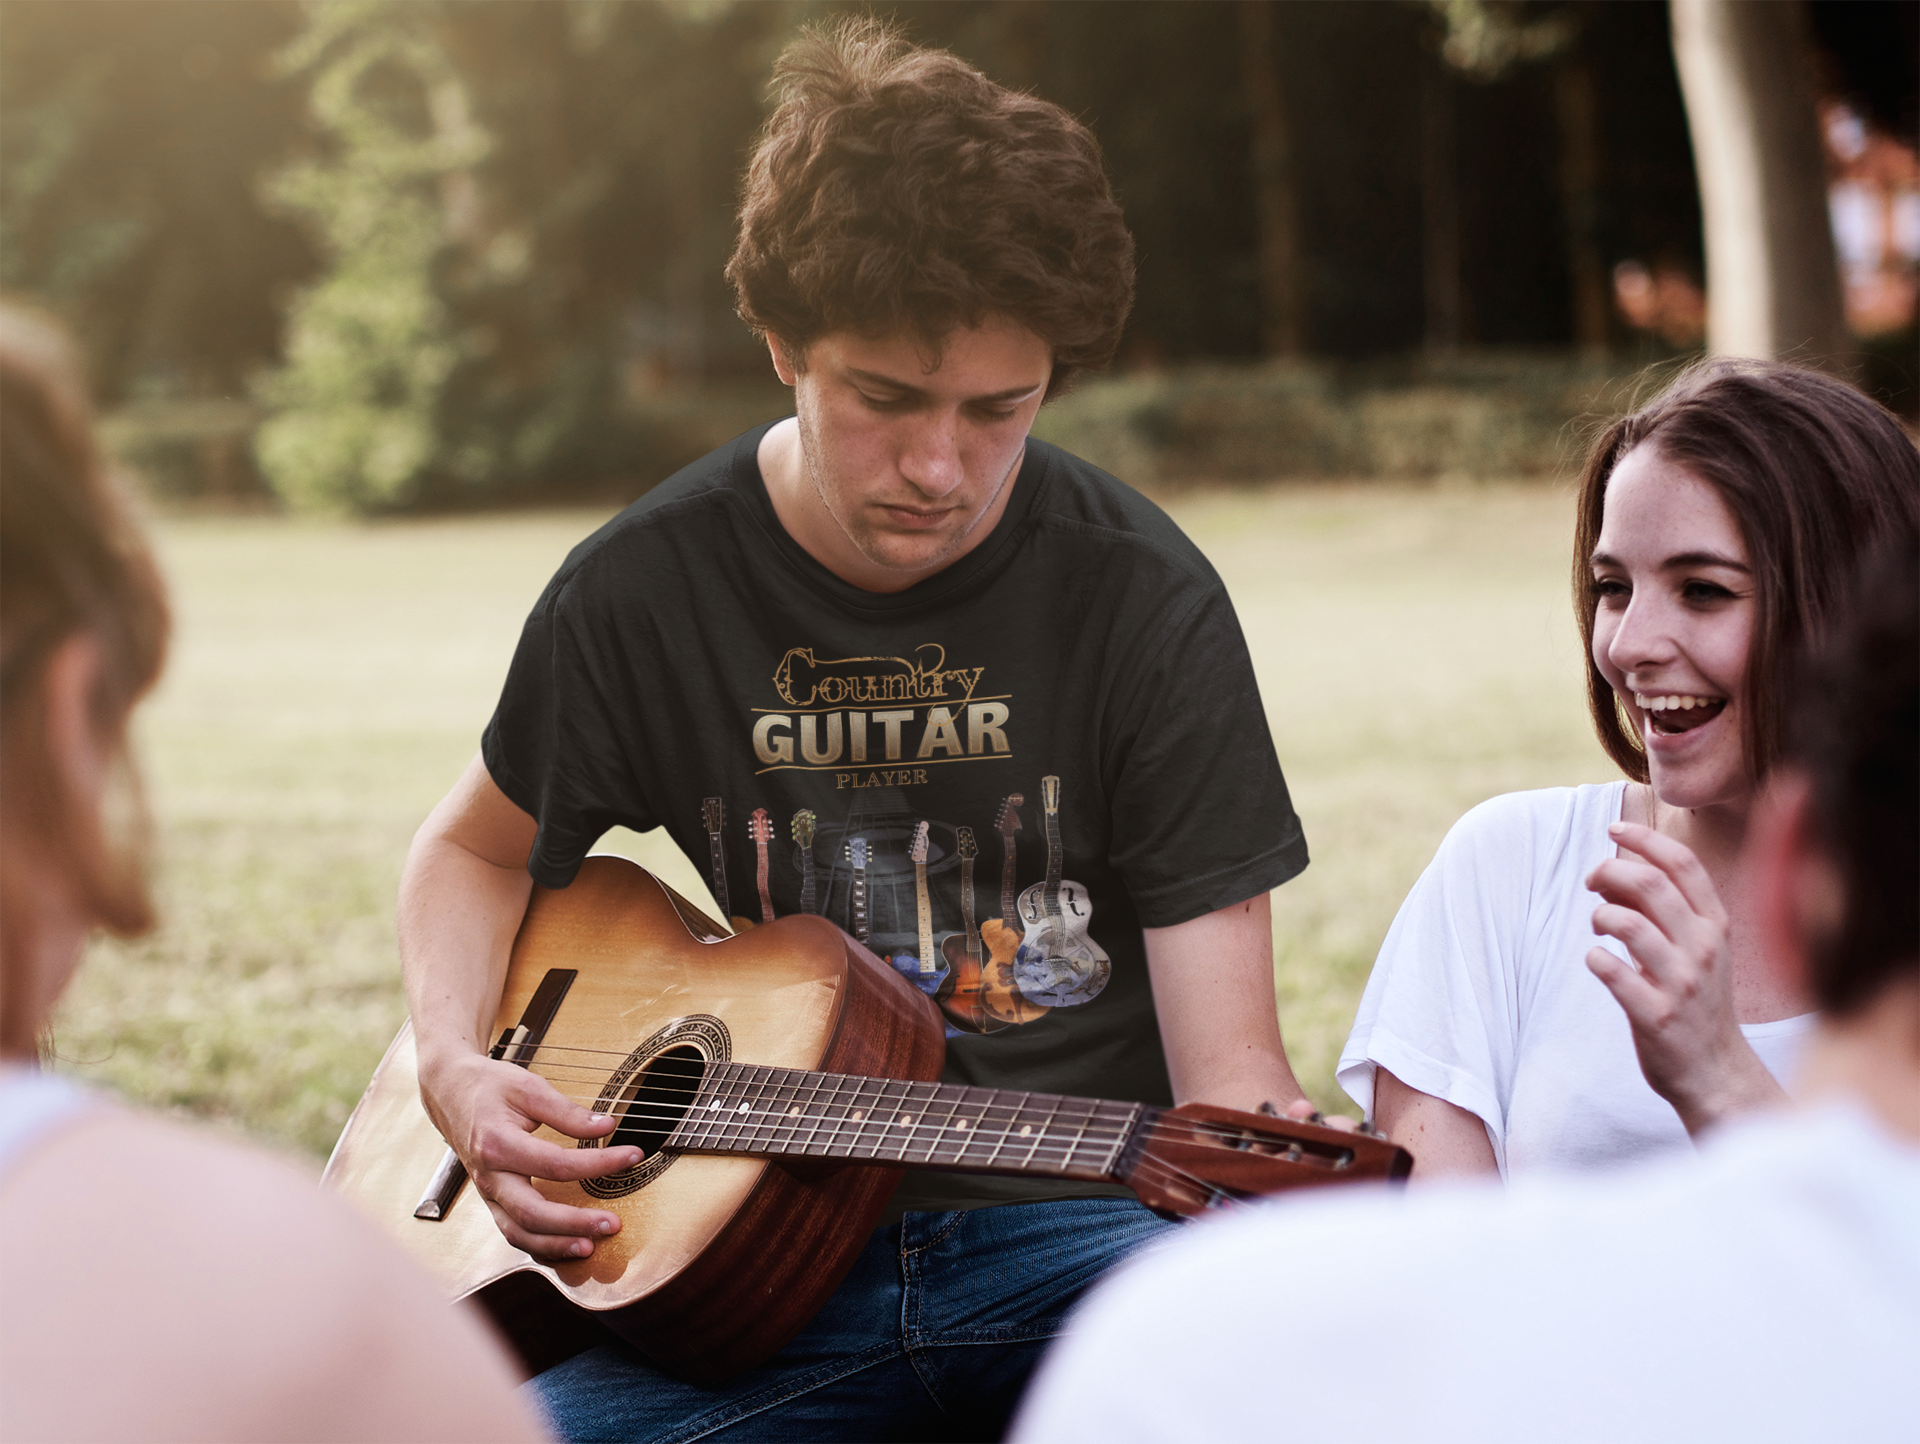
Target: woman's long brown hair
column 72, row 562
column 1814, row 472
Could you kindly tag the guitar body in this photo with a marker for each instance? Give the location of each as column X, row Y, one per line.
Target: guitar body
column 1057, row 963
column 964, row 997
column 720, row 1260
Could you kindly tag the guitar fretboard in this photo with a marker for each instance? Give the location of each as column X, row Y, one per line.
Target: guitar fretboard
column 749, row 1109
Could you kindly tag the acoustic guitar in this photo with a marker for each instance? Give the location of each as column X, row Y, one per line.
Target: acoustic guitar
column 1001, row 997
column 777, row 1081
column 962, row 996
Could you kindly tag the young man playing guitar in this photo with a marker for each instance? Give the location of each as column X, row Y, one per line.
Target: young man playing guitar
column 893, row 604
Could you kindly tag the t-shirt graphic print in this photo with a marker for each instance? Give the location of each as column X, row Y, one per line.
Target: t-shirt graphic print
column 994, row 779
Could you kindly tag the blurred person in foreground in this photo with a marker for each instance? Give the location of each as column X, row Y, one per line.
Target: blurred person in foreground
column 894, row 605
column 1576, row 979
column 1768, row 1288
column 155, row 1282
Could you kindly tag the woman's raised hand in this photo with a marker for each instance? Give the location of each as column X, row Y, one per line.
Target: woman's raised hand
column 1662, row 906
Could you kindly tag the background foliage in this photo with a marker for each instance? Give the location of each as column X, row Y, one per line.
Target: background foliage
column 410, row 254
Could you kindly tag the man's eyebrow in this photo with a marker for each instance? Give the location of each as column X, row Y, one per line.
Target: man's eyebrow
column 893, row 383
column 1679, row 560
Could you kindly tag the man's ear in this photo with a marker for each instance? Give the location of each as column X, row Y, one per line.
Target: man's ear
column 1802, row 899
column 783, row 360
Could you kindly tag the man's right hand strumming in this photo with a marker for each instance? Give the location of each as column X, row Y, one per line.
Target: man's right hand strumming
column 462, row 896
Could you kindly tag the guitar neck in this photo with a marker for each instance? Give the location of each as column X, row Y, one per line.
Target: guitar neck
column 746, row 1109
column 926, row 917
column 1009, row 880
column 719, row 858
column 858, row 902
column 1053, row 863
column 806, row 880
column 966, row 908
column 760, row 876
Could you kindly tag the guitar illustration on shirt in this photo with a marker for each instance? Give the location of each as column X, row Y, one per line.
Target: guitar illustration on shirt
column 803, row 825
column 760, row 828
column 1000, row 995
column 1057, row 963
column 963, row 996
column 857, row 923
column 713, row 814
column 927, row 971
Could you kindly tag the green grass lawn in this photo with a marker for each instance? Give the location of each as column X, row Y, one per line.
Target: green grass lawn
column 329, row 681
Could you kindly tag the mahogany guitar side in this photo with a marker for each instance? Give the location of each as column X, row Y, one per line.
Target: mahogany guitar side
column 720, row 1260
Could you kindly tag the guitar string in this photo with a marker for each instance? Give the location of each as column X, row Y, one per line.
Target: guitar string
column 1107, row 1135
column 1222, row 1130
column 658, row 1109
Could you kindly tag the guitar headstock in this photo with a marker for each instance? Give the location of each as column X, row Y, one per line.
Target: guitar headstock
column 1008, row 822
column 803, row 822
column 857, row 853
column 968, row 849
column 1199, row 1157
column 760, row 826
column 917, row 850
column 1050, row 793
column 713, row 813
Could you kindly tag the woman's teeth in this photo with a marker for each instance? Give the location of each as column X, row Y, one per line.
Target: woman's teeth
column 1669, row 704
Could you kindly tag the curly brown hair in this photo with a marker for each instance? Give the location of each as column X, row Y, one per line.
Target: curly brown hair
column 1814, row 473
column 896, row 190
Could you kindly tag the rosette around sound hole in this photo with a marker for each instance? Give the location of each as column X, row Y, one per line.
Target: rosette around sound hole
column 650, row 1092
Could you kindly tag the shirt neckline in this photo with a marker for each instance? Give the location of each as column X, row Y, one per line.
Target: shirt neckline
column 966, row 574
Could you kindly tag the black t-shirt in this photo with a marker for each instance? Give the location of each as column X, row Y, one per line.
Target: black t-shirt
column 690, row 653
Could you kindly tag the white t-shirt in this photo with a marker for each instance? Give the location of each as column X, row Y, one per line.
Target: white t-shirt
column 1481, row 994
column 1768, row 1289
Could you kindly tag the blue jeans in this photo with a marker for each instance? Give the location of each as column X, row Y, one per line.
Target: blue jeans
column 932, row 1336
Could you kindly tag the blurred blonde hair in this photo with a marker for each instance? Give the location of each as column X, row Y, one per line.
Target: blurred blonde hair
column 72, row 561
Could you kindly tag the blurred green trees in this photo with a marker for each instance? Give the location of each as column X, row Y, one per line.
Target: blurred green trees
column 424, row 254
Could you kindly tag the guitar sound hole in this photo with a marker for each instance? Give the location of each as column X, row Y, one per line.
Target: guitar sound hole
column 656, row 1101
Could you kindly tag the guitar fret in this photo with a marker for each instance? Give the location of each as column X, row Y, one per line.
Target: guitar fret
column 1007, row 1131
column 939, row 1138
column 815, row 1114
column 765, row 1111
column 735, row 1110
column 872, row 1133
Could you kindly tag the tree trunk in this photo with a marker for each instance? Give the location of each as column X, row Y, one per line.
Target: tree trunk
column 1577, row 101
column 1440, row 210
column 1773, row 284
column 1279, row 260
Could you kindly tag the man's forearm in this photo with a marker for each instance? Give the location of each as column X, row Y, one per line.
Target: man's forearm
column 457, row 920
column 1213, row 990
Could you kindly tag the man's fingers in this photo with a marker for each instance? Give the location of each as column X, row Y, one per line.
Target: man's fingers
column 1677, row 861
column 533, row 1222
column 541, row 1102
column 508, row 1150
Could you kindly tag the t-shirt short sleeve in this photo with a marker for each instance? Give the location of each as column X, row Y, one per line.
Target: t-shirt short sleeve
column 1201, row 815
column 1440, row 1011
column 554, row 745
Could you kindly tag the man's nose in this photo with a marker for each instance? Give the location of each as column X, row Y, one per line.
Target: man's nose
column 931, row 458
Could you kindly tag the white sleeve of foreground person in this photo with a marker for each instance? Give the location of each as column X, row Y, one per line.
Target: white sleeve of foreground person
column 160, row 1284
column 1768, row 1290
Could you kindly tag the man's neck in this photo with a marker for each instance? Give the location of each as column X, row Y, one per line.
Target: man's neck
column 802, row 514
column 1873, row 1057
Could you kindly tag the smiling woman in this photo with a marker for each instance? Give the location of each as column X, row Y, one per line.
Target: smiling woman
column 1716, row 531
